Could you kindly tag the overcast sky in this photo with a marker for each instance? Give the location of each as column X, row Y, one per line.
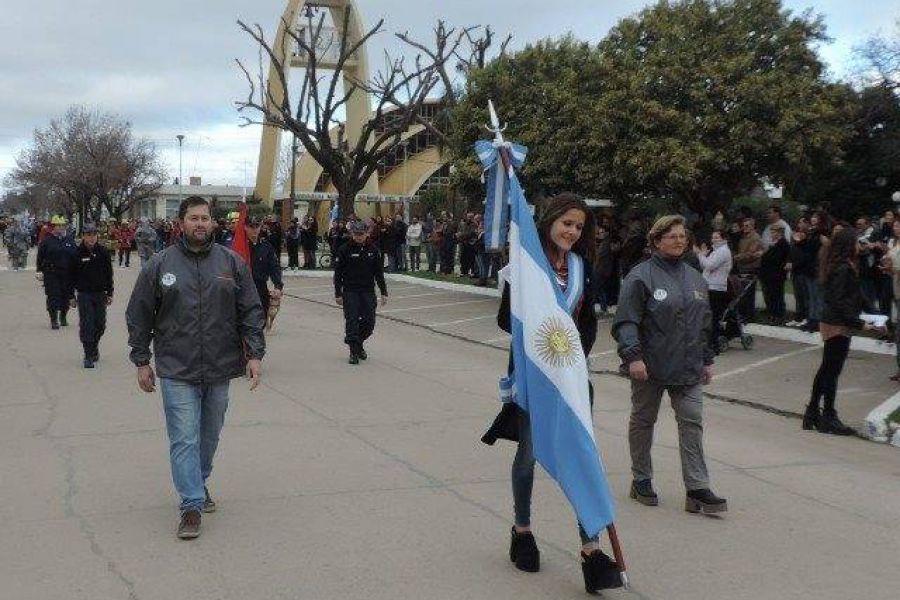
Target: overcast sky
column 168, row 65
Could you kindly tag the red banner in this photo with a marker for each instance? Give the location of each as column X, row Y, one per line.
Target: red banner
column 240, row 243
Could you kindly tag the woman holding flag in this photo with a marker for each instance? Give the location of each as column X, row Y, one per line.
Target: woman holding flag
column 566, row 233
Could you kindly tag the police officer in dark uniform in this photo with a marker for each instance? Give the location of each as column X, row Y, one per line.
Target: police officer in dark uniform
column 358, row 266
column 264, row 263
column 54, row 263
column 92, row 278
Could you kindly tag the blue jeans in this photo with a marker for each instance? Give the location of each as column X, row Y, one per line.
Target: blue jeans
column 523, row 479
column 194, row 417
column 815, row 301
column 802, row 295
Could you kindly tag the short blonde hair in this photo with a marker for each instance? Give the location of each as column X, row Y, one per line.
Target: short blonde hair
column 663, row 226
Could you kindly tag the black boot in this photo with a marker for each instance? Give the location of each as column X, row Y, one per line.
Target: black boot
column 62, row 318
column 361, row 352
column 600, row 572
column 830, row 423
column 642, row 491
column 54, row 320
column 524, row 552
column 811, row 417
column 704, row 502
column 95, row 351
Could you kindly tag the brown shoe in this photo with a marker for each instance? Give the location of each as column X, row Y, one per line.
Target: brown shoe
column 189, row 528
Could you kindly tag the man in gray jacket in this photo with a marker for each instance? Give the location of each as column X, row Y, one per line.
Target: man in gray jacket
column 197, row 303
column 662, row 326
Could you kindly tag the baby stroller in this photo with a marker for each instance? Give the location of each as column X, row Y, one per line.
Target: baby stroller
column 732, row 324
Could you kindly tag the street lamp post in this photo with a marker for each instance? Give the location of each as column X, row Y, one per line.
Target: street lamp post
column 293, row 168
column 287, row 213
column 180, row 138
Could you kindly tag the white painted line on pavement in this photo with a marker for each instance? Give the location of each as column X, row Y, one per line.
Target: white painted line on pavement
column 393, row 310
column 308, row 287
column 604, row 353
column 331, row 293
column 458, row 321
column 762, row 363
column 398, row 277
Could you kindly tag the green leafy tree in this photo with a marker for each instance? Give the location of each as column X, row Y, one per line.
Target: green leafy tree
column 545, row 93
column 691, row 102
column 868, row 172
column 703, row 98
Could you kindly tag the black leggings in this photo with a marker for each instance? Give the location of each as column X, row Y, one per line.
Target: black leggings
column 825, row 383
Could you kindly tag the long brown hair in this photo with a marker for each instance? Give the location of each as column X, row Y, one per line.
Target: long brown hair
column 842, row 249
column 555, row 207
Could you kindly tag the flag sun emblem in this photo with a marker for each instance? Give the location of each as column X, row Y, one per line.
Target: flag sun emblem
column 556, row 344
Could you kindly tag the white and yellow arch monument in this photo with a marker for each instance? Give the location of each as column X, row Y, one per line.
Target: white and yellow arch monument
column 413, row 163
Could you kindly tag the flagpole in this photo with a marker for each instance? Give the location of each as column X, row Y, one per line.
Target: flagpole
column 503, row 150
column 617, row 552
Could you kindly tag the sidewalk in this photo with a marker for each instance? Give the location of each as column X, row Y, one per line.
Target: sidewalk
column 370, row 482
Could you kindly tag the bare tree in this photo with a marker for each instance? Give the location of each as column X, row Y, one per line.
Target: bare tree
column 91, row 160
column 398, row 93
column 881, row 58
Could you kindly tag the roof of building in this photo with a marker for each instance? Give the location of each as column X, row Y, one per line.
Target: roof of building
column 203, row 190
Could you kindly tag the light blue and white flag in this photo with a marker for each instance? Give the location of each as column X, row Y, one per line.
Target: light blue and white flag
column 496, row 206
column 550, row 375
column 333, row 214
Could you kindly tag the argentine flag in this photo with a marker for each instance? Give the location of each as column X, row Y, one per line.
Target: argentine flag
column 496, row 213
column 550, row 370
column 333, row 214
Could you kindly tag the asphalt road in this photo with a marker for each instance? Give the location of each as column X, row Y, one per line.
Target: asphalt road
column 369, row 482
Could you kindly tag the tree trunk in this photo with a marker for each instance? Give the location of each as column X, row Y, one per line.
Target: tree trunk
column 347, row 199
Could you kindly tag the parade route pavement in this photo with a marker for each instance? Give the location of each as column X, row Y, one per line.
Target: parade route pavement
column 370, row 482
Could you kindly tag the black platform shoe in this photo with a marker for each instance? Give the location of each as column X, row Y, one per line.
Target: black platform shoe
column 600, row 572
column 811, row 417
column 830, row 423
column 704, row 502
column 642, row 491
column 524, row 552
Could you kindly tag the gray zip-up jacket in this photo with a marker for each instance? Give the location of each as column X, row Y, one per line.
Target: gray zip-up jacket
column 202, row 312
column 664, row 319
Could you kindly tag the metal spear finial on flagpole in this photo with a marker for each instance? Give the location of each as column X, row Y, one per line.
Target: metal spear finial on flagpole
column 497, row 130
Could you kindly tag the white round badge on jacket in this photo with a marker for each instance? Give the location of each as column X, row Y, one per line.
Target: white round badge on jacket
column 660, row 294
column 168, row 279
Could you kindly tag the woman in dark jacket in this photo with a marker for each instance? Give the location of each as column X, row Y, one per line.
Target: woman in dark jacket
column 309, row 240
column 566, row 225
column 842, row 303
column 292, row 242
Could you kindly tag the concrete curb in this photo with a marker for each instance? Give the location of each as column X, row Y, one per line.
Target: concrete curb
column 876, row 426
